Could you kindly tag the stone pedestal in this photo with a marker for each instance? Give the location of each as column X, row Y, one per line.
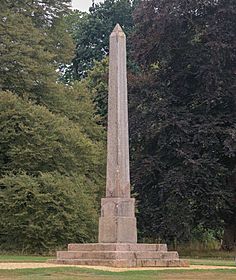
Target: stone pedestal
column 120, row 255
column 117, row 223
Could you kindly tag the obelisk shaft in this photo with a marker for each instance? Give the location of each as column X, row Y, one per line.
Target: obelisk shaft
column 117, row 223
column 118, row 178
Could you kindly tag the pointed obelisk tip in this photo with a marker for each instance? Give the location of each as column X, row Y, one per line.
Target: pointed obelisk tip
column 117, row 28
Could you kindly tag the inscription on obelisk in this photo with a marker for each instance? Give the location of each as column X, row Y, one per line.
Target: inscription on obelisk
column 117, row 223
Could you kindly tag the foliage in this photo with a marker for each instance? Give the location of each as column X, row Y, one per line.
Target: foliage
column 52, row 150
column 35, row 140
column 30, row 53
column 92, row 31
column 183, row 116
column 48, row 164
column 97, row 83
column 76, row 104
column 44, row 212
column 42, row 12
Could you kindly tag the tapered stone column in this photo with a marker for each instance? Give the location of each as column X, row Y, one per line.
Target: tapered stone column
column 117, row 223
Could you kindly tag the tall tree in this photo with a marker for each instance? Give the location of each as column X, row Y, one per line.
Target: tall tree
column 52, row 150
column 92, row 33
column 30, row 52
column 51, row 173
column 183, row 117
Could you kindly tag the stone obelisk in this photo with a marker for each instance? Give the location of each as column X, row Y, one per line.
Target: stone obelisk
column 117, row 223
column 118, row 245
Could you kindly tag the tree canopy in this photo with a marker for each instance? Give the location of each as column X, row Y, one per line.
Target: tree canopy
column 52, row 150
column 91, row 33
column 183, row 116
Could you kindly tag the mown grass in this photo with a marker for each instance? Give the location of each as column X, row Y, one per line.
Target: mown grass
column 16, row 258
column 212, row 262
column 71, row 273
column 91, row 274
column 200, row 250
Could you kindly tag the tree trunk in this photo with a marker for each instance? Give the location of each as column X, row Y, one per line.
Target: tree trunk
column 229, row 238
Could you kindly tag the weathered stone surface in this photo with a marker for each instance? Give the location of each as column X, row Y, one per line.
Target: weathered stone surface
column 101, row 262
column 121, row 258
column 117, row 247
column 117, row 230
column 161, row 263
column 120, row 255
column 154, row 255
column 117, row 223
column 118, row 175
column 117, row 207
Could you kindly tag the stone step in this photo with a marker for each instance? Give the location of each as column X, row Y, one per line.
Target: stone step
column 117, row 247
column 124, row 262
column 117, row 255
column 161, row 263
column 98, row 262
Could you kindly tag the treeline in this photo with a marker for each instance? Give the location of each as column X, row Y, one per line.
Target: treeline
column 53, row 81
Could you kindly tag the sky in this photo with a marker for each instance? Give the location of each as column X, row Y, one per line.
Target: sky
column 83, row 5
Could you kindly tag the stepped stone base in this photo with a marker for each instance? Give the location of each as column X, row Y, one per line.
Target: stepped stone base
column 120, row 255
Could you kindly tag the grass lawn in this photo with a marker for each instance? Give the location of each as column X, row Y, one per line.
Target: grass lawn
column 71, row 273
column 90, row 274
column 16, row 258
column 212, row 262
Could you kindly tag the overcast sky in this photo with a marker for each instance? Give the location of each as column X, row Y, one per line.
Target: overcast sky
column 83, row 5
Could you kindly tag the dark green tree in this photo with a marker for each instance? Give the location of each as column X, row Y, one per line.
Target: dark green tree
column 183, row 117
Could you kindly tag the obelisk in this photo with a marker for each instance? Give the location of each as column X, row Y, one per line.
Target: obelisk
column 117, row 223
column 118, row 245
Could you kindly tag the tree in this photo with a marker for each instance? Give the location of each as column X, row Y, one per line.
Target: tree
column 92, row 33
column 97, row 84
column 183, row 116
column 42, row 12
column 39, row 214
column 48, row 164
column 31, row 53
column 52, row 150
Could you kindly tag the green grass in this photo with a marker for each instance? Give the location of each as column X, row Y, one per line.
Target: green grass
column 15, row 258
column 194, row 251
column 212, row 262
column 71, row 273
column 90, row 274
